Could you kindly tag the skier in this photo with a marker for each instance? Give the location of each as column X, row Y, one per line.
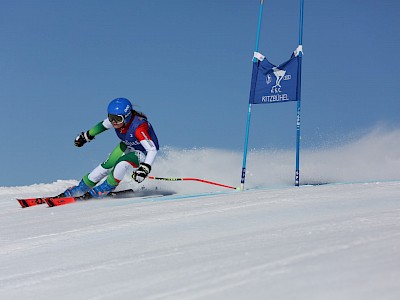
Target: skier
column 138, row 148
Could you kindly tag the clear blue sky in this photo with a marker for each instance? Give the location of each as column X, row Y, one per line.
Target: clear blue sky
column 187, row 64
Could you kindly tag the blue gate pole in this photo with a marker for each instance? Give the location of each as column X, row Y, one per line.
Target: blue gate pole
column 297, row 175
column 246, row 140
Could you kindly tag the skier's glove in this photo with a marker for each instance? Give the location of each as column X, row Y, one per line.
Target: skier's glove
column 141, row 173
column 83, row 138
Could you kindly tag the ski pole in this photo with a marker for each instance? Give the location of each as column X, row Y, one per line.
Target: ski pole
column 193, row 179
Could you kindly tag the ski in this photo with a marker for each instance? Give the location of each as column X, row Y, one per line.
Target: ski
column 28, row 202
column 56, row 201
column 61, row 201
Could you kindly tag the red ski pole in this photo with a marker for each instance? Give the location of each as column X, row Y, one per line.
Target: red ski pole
column 193, row 179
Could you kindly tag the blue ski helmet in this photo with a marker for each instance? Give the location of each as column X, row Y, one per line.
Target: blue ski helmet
column 120, row 107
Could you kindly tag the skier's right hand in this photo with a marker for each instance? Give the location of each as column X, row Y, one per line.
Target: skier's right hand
column 83, row 138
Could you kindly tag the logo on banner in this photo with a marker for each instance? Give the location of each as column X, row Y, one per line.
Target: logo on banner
column 279, row 74
column 277, row 93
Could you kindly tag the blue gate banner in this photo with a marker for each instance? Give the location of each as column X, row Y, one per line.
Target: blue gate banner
column 270, row 83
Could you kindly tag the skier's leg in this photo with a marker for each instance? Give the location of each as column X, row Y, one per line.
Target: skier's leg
column 123, row 164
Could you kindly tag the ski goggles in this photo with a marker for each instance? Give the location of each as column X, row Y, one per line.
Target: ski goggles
column 117, row 119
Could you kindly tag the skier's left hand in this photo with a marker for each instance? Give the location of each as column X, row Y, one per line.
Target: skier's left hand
column 141, row 173
column 83, row 138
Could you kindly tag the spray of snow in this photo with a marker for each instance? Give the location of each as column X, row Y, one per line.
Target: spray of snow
column 373, row 157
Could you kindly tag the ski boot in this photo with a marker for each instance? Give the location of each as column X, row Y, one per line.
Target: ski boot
column 102, row 190
column 75, row 191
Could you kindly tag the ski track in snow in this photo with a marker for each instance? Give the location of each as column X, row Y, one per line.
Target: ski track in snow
column 314, row 242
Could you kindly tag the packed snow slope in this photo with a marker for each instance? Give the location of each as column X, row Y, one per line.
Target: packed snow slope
column 314, row 242
column 274, row 241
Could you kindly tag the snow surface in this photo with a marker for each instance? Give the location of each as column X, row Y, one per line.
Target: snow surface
column 331, row 241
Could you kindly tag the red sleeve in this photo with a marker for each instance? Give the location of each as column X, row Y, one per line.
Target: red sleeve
column 142, row 132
